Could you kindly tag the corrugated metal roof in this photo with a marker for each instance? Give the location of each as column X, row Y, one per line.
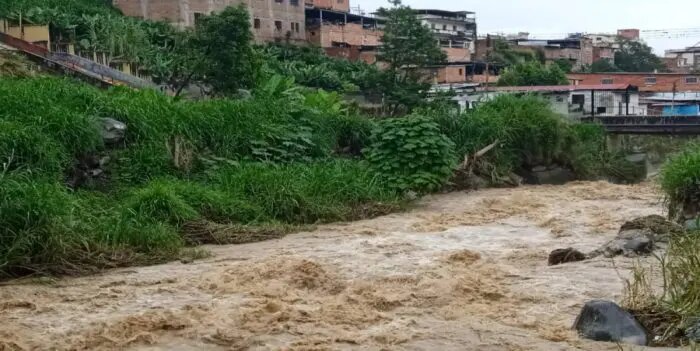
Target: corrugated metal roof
column 564, row 88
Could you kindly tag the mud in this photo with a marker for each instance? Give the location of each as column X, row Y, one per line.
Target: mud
column 463, row 271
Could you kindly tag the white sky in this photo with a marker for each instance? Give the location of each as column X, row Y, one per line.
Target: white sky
column 561, row 16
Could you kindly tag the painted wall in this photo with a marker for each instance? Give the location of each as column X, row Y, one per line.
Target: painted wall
column 682, row 110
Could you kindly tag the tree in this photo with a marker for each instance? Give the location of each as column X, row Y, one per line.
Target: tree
column 504, row 54
column 635, row 56
column 533, row 73
column 602, row 66
column 565, row 65
column 226, row 58
column 408, row 47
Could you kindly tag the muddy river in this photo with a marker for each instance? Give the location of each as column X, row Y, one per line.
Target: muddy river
column 462, row 271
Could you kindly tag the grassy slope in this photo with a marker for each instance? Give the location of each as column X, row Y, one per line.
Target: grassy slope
column 255, row 162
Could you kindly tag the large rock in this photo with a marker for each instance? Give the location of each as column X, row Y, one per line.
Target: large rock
column 561, row 256
column 605, row 321
column 548, row 176
column 113, row 131
column 639, row 237
column 693, row 332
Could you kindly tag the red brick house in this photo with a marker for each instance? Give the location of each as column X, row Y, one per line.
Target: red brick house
column 647, row 82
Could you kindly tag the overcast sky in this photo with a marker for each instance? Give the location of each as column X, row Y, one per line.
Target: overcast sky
column 561, row 16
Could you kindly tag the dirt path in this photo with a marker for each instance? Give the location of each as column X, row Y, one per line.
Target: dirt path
column 459, row 272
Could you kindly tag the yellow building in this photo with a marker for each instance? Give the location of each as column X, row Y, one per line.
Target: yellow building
column 37, row 34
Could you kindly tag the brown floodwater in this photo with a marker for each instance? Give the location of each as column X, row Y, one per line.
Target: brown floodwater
column 461, row 271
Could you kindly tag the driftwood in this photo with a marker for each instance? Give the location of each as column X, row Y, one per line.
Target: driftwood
column 470, row 160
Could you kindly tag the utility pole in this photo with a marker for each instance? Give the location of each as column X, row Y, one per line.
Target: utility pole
column 673, row 99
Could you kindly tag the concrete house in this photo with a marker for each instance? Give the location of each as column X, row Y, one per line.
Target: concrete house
column 271, row 20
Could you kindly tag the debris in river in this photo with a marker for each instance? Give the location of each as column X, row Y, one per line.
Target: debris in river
column 560, row 256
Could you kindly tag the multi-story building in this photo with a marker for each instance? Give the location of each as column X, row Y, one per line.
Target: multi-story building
column 684, row 60
column 344, row 34
column 576, row 49
column 455, row 30
column 271, row 20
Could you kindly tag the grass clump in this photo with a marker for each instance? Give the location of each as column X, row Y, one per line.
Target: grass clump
column 680, row 181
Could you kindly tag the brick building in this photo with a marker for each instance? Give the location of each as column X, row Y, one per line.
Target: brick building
column 647, row 82
column 343, row 34
column 454, row 30
column 271, row 20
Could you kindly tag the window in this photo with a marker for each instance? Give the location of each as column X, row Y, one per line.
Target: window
column 461, row 72
column 650, row 80
column 198, row 17
column 607, row 81
column 279, row 1
column 454, row 28
column 294, row 2
column 432, row 25
column 444, row 27
column 691, row 80
column 578, row 99
column 278, row 25
column 256, row 23
column 601, row 110
column 295, row 27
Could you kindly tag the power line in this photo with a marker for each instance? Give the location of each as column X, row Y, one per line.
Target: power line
column 670, row 33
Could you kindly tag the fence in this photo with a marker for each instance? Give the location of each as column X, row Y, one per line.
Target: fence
column 592, row 103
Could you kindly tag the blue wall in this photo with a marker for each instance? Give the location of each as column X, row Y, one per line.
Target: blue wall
column 682, row 110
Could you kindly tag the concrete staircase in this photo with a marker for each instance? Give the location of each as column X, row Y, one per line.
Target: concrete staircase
column 75, row 64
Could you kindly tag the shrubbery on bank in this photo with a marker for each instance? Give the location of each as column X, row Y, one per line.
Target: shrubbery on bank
column 283, row 157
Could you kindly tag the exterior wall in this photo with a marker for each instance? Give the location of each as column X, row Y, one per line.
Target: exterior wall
column 350, row 34
column 613, row 102
column 629, row 34
column 337, row 5
column 182, row 13
column 664, row 81
column 457, row 54
column 32, row 33
column 446, row 74
column 603, row 53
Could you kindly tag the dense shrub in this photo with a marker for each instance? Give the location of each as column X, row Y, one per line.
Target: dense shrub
column 528, row 131
column 680, row 180
column 33, row 226
column 411, row 153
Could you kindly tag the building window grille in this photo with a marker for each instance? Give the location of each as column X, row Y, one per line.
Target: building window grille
column 256, row 23
column 650, row 80
column 607, row 81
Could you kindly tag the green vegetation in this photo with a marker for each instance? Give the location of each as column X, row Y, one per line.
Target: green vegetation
column 266, row 161
column 669, row 312
column 680, row 180
column 633, row 56
column 528, row 134
column 411, row 154
column 533, row 73
column 276, row 147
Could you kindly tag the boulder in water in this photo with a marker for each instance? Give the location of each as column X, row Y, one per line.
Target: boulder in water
column 601, row 320
column 560, row 256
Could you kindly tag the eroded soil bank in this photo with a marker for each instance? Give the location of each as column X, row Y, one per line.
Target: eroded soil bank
column 463, row 271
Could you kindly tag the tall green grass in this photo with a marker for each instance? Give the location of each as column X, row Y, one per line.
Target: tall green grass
column 680, row 180
column 267, row 160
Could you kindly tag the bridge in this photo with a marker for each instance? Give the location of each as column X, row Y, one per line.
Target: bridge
column 649, row 125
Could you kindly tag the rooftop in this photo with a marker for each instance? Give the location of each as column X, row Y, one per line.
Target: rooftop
column 564, row 88
column 651, row 74
column 443, row 12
